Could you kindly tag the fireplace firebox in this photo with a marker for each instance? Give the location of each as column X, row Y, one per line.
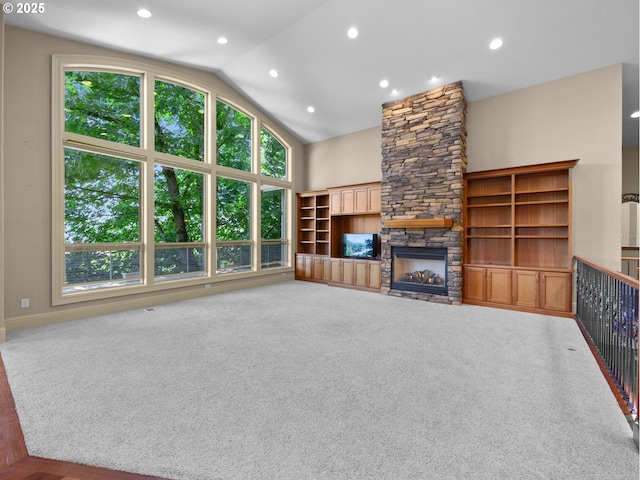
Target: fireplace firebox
column 419, row 269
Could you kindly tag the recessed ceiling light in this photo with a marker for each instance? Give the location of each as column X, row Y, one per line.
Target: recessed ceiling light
column 144, row 13
column 435, row 78
column 310, row 109
column 495, row 43
column 395, row 91
column 384, row 83
column 222, row 40
column 273, row 72
column 635, row 114
column 352, row 32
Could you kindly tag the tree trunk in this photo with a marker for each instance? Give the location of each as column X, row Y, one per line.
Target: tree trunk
column 176, row 208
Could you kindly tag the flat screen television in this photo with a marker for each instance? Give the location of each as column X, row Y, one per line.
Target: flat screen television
column 359, row 245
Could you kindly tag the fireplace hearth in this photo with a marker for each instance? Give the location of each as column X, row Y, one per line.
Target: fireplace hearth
column 419, row 269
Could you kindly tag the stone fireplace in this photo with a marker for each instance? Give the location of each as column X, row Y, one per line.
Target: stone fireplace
column 423, row 163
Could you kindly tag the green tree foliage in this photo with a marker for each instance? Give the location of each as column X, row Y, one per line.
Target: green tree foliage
column 273, row 156
column 179, row 121
column 273, row 207
column 233, row 205
column 103, row 105
column 102, row 198
column 179, row 131
column 179, row 205
column 233, row 138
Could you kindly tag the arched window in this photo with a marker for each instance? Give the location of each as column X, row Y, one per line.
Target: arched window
column 156, row 184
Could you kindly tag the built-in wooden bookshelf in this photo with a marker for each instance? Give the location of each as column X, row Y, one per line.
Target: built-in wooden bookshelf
column 518, row 237
column 323, row 217
column 314, row 223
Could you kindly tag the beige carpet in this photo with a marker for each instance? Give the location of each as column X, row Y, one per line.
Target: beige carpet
column 304, row 381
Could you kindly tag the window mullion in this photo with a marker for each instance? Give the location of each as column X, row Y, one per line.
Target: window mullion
column 95, row 145
column 210, row 183
column 209, row 220
column 148, row 180
column 255, row 147
column 256, row 207
column 256, row 214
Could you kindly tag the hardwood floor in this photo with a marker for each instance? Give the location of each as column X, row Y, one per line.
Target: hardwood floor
column 17, row 464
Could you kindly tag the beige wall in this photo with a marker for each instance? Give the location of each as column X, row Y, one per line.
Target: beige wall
column 27, row 150
column 576, row 117
column 353, row 158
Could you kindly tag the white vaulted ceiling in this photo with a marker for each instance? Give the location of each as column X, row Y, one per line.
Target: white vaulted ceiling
column 405, row 42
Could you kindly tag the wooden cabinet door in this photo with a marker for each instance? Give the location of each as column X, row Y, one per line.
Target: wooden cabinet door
column 374, row 194
column 326, row 268
column 498, row 289
column 299, row 266
column 526, row 288
column 367, row 199
column 474, row 283
column 348, row 201
column 361, row 200
column 317, row 268
column 335, row 202
column 303, row 266
column 341, row 201
column 361, row 273
column 335, row 275
column 375, row 274
column 348, row 271
column 555, row 291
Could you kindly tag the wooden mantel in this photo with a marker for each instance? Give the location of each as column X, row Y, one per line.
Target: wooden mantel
column 419, row 223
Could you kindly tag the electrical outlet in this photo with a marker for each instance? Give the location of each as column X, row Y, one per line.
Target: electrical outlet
column 24, row 303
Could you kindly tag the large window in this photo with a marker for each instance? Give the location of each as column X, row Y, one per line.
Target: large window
column 102, row 220
column 233, row 233
column 179, row 223
column 273, row 202
column 273, row 223
column 155, row 182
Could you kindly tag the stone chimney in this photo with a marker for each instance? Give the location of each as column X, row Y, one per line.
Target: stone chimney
column 423, row 163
